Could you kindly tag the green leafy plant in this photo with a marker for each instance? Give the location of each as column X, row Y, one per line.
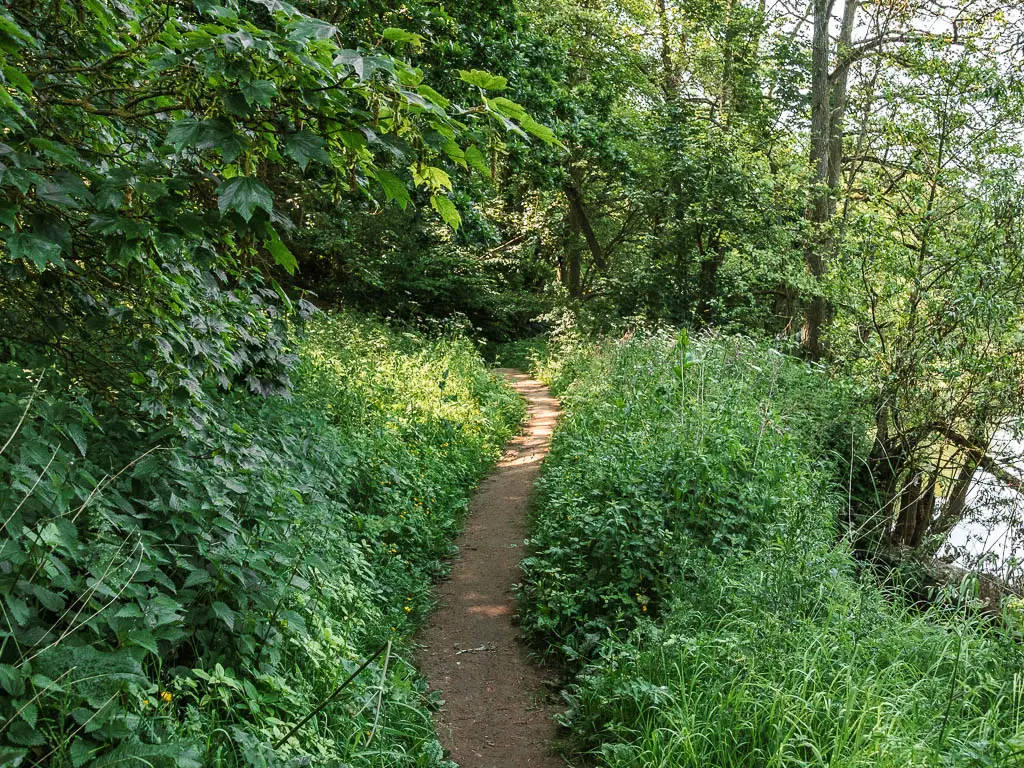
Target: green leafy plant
column 187, row 598
column 687, row 568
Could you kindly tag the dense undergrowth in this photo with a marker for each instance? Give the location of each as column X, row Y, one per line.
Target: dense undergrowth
column 186, row 597
column 685, row 568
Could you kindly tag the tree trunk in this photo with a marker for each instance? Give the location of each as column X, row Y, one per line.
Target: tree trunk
column 828, row 111
column 818, row 241
column 573, row 273
column 569, row 266
column 707, row 279
column 925, row 512
column 955, row 505
column 670, row 75
column 582, row 224
column 838, row 102
column 726, row 90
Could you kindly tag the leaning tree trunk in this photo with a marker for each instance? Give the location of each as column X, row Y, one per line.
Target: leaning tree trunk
column 955, row 504
column 581, row 223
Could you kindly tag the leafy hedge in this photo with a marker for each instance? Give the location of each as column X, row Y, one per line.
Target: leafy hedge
column 684, row 566
column 185, row 596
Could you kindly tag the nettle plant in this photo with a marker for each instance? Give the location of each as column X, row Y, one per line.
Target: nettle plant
column 188, row 598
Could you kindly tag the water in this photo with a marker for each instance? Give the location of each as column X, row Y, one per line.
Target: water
column 991, row 535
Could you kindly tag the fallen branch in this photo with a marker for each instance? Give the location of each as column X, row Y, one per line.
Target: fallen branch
column 487, row 647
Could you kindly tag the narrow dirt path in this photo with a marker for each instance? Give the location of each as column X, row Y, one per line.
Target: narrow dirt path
column 494, row 714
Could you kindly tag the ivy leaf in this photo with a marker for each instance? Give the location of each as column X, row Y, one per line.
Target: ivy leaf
column 394, row 188
column 244, row 195
column 482, row 79
column 447, row 210
column 282, row 256
column 305, row 146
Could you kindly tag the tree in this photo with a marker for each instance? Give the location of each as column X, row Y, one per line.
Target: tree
column 156, row 157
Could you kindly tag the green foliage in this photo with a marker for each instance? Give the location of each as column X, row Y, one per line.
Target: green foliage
column 185, row 598
column 157, row 155
column 658, row 455
column 401, row 265
column 683, row 565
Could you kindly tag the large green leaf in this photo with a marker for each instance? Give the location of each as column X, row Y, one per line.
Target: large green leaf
column 396, row 35
column 476, row 159
column 282, row 256
column 432, row 177
column 305, row 146
column 394, row 188
column 259, row 92
column 484, row 80
column 306, row 28
column 244, row 195
column 39, row 250
column 447, row 210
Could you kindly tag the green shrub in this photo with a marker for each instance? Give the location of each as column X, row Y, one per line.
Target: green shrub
column 655, row 457
column 186, row 596
column 684, row 566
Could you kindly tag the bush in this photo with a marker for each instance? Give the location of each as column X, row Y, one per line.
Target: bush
column 186, row 596
column 684, row 566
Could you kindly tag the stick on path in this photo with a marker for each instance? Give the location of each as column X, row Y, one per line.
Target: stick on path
column 494, row 714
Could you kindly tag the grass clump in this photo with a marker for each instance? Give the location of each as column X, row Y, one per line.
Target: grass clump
column 185, row 596
column 684, row 567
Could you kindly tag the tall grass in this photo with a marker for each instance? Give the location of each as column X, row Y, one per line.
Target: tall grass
column 685, row 566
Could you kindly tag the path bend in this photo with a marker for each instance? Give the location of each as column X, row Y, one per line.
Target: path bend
column 494, row 713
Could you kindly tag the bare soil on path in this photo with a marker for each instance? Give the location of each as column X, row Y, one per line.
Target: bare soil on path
column 494, row 713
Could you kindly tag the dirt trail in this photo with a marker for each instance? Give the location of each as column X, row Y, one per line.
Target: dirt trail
column 494, row 714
